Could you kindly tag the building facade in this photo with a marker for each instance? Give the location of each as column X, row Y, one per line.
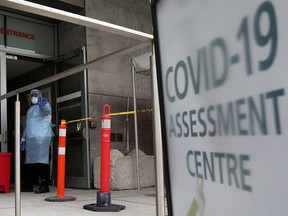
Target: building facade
column 65, row 46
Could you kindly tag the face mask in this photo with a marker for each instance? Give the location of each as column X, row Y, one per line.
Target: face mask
column 34, row 100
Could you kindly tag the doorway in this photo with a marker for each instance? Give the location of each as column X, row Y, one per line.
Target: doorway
column 19, row 71
column 71, row 102
column 15, row 72
column 68, row 102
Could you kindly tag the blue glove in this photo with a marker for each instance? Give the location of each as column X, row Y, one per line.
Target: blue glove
column 22, row 145
column 42, row 102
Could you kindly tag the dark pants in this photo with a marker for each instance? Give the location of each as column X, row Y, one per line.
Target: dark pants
column 32, row 171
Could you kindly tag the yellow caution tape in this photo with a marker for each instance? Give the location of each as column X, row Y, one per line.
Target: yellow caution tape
column 78, row 120
column 129, row 112
column 111, row 114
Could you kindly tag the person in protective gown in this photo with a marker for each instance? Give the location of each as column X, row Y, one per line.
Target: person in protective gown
column 37, row 135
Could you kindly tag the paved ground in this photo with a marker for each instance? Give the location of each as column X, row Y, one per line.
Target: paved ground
column 137, row 203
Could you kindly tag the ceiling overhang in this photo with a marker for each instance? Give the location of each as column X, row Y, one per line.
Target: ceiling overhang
column 62, row 15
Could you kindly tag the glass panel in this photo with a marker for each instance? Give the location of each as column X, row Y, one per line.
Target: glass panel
column 70, row 110
column 27, row 35
column 74, row 157
column 63, row 85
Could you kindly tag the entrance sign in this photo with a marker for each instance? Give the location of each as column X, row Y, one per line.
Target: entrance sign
column 36, row 38
column 222, row 66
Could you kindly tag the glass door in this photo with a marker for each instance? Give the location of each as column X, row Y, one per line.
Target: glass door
column 71, row 94
column 3, row 90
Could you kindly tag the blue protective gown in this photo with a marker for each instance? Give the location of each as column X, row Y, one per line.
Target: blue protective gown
column 38, row 134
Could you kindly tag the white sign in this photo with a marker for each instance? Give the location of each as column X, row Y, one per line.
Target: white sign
column 106, row 123
column 224, row 75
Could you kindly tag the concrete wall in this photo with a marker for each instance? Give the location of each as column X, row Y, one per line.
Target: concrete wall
column 71, row 37
column 111, row 81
